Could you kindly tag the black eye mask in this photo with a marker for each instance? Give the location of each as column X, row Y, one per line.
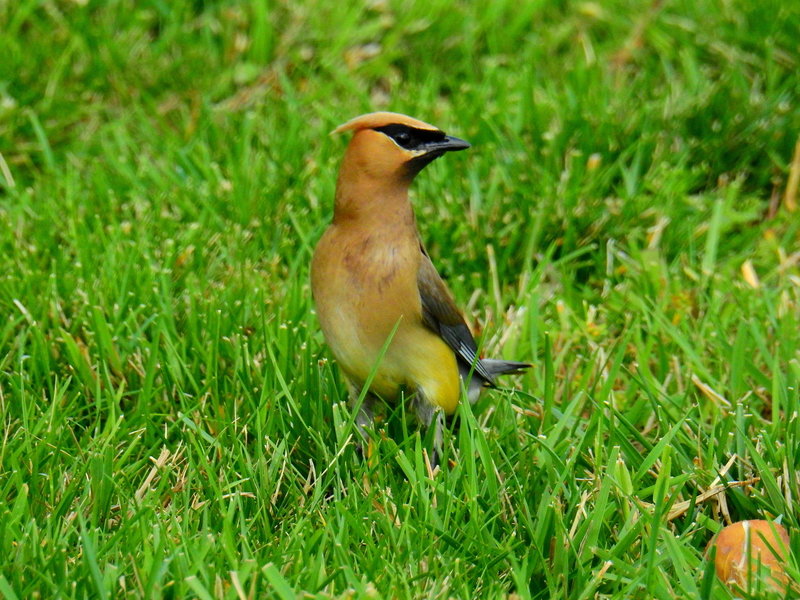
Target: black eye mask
column 427, row 144
column 411, row 138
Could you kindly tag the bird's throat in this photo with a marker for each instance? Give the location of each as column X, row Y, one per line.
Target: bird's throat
column 376, row 206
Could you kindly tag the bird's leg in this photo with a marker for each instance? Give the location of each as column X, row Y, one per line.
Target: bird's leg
column 438, row 438
column 426, row 413
column 365, row 417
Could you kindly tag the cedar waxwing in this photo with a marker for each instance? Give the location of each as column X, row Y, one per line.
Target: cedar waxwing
column 371, row 276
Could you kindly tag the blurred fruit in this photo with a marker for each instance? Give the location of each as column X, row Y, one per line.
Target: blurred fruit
column 749, row 549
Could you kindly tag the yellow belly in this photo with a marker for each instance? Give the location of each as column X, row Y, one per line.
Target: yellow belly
column 432, row 369
column 416, row 359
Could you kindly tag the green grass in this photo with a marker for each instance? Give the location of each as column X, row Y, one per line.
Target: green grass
column 173, row 425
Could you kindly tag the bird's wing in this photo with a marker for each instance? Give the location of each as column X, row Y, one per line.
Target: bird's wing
column 440, row 313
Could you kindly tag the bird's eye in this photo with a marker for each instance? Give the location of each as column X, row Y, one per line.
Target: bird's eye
column 402, row 138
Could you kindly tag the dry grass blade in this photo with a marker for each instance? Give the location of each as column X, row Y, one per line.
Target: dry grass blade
column 790, row 194
column 681, row 507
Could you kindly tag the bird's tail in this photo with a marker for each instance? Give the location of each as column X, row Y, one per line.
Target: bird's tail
column 497, row 366
column 494, row 367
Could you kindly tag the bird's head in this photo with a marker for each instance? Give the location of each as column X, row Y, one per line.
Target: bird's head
column 392, row 146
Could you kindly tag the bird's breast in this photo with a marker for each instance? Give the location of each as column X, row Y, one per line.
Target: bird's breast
column 365, row 286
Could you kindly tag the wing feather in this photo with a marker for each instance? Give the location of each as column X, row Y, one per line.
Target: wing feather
column 440, row 314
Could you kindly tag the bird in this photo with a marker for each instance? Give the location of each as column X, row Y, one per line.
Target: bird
column 385, row 312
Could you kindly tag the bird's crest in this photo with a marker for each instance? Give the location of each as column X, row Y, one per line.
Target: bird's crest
column 381, row 119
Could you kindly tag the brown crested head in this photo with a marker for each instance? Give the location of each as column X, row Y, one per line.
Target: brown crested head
column 393, row 146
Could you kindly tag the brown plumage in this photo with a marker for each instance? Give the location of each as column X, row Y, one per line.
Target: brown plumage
column 371, row 276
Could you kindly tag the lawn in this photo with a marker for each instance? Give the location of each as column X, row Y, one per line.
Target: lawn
column 173, row 423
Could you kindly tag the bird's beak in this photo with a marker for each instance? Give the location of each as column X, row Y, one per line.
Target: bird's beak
column 448, row 144
column 432, row 150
